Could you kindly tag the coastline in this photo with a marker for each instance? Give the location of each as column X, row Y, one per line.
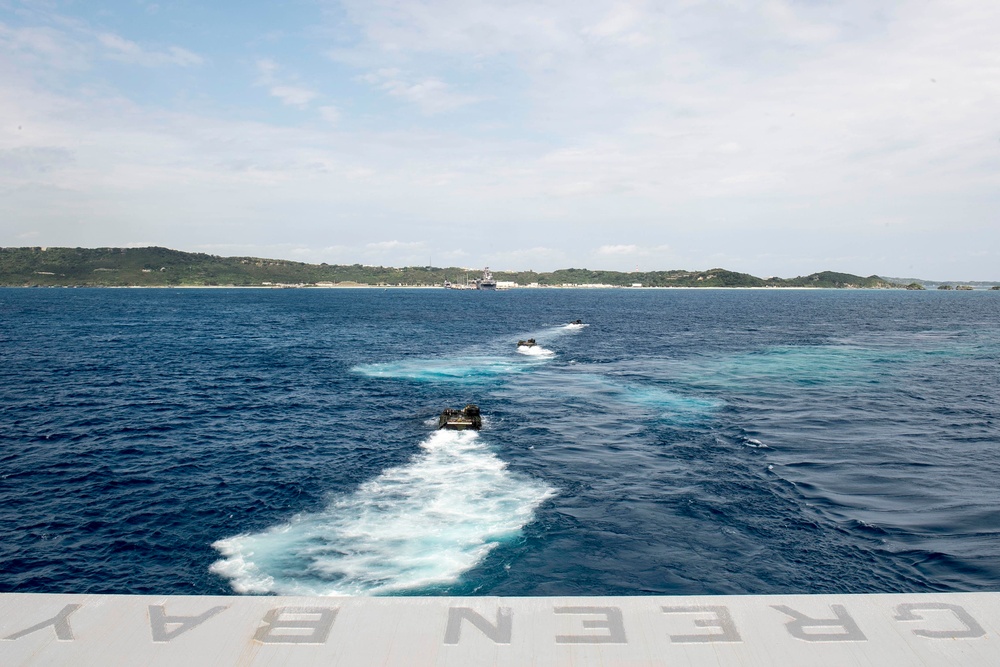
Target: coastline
column 506, row 289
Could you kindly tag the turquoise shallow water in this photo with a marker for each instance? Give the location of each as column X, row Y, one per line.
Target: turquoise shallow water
column 684, row 442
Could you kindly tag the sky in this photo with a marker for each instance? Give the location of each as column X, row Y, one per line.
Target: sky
column 774, row 137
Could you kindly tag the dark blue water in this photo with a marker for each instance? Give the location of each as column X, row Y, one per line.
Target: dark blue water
column 685, row 442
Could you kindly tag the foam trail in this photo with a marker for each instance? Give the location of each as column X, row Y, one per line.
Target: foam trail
column 462, row 370
column 802, row 365
column 534, row 351
column 670, row 406
column 557, row 331
column 552, row 332
column 414, row 526
column 668, row 400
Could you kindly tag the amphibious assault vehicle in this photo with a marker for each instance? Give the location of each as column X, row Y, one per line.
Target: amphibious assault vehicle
column 459, row 420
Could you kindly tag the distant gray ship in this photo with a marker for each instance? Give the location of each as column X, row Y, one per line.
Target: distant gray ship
column 487, row 282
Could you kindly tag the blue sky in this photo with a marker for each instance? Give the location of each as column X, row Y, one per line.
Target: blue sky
column 775, row 137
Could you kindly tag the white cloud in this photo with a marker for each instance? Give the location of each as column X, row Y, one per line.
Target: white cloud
column 34, row 45
column 795, row 27
column 632, row 250
column 476, row 27
column 290, row 94
column 75, row 46
column 121, row 49
column 430, row 94
column 360, row 173
column 330, row 114
column 26, row 163
column 622, row 24
column 294, row 96
column 394, row 245
column 266, row 69
column 593, row 132
column 618, row 250
column 537, row 257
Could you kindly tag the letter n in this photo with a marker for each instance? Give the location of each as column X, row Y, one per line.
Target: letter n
column 499, row 633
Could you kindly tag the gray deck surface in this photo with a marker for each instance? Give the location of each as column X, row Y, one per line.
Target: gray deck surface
column 801, row 630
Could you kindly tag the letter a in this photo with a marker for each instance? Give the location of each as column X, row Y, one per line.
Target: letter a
column 158, row 621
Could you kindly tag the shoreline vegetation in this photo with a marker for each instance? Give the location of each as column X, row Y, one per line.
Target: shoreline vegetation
column 162, row 267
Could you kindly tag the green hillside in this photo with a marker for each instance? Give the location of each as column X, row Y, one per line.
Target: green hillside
column 160, row 267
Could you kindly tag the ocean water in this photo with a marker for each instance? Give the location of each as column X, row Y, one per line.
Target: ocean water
column 182, row 441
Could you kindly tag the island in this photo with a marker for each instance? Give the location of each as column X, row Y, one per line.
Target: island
column 163, row 267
